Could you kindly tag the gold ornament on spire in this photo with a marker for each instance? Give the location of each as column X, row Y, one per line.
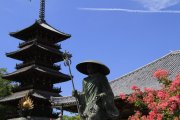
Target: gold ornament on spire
column 26, row 103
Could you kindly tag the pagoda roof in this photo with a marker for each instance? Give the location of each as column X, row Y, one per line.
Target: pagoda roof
column 32, row 92
column 43, row 26
column 22, row 52
column 142, row 77
column 22, row 73
column 63, row 101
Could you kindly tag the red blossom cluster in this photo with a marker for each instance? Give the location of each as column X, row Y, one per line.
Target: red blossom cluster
column 160, row 73
column 162, row 104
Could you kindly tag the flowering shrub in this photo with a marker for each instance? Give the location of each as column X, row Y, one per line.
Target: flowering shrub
column 161, row 104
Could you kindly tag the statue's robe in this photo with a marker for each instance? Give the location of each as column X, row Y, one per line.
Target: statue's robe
column 93, row 108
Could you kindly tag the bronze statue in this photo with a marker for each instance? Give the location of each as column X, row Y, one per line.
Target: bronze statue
column 97, row 99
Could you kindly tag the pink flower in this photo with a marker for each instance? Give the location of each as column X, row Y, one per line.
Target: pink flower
column 122, row 96
column 176, row 118
column 144, row 117
column 160, row 73
column 136, row 116
column 174, row 103
column 152, row 106
column 131, row 99
column 135, row 88
column 177, row 77
column 173, row 106
column 176, row 82
column 148, row 99
column 162, row 95
column 175, row 98
column 159, row 116
column 152, row 115
column 149, row 90
column 162, row 106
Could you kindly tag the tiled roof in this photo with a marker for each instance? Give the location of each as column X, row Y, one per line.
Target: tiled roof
column 142, row 77
column 69, row 100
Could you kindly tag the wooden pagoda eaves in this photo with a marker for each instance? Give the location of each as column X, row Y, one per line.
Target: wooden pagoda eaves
column 40, row 71
column 34, row 93
column 43, row 29
column 30, row 50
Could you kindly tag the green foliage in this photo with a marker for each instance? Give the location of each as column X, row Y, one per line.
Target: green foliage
column 5, row 89
column 5, row 85
column 71, row 117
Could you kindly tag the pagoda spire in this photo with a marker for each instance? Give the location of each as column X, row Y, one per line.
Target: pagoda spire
column 42, row 11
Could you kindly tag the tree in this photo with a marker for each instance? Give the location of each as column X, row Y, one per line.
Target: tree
column 5, row 85
column 161, row 104
column 5, row 89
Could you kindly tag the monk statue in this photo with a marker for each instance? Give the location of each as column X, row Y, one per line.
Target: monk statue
column 96, row 101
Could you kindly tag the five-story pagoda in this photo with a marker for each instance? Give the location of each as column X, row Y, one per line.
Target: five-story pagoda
column 38, row 72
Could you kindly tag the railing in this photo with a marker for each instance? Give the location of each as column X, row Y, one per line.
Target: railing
column 21, row 65
column 25, row 43
column 54, row 66
column 57, row 67
column 57, row 46
column 20, row 88
column 56, row 90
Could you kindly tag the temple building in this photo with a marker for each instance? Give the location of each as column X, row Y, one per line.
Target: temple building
column 142, row 77
column 39, row 52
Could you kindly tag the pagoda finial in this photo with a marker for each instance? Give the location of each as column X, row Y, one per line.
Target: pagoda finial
column 42, row 11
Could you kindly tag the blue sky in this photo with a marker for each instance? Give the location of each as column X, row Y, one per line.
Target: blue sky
column 123, row 34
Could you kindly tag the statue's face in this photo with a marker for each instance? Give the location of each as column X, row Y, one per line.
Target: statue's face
column 90, row 69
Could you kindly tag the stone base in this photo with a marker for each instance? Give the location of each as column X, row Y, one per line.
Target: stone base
column 31, row 118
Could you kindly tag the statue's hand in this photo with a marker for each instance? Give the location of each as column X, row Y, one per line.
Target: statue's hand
column 75, row 93
column 100, row 96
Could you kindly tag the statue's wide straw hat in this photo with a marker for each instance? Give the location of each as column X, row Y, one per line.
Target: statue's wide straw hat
column 82, row 67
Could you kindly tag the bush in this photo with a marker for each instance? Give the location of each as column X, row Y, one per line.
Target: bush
column 161, row 104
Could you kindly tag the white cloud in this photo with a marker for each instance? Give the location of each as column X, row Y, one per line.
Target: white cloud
column 130, row 10
column 155, row 5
